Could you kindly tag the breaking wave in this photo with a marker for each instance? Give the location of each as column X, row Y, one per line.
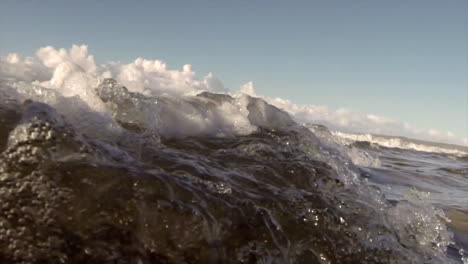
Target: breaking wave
column 164, row 170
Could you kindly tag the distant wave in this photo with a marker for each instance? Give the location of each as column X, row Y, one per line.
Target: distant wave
column 402, row 143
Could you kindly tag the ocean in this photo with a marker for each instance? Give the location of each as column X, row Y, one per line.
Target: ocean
column 108, row 175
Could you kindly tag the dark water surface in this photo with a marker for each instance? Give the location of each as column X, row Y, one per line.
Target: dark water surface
column 82, row 187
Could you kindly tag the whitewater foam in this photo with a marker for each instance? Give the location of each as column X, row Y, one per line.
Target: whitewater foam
column 173, row 104
column 74, row 72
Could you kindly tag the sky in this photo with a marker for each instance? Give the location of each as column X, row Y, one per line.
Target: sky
column 404, row 60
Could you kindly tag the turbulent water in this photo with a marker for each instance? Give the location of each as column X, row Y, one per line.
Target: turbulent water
column 114, row 176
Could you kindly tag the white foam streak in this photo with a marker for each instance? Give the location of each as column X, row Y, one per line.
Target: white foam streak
column 393, row 142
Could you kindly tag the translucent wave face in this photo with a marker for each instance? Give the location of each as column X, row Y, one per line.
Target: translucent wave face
column 356, row 155
column 201, row 115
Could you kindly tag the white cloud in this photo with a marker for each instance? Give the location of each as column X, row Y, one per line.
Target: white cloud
column 78, row 55
column 54, row 68
column 151, row 77
column 346, row 120
column 14, row 66
column 248, row 89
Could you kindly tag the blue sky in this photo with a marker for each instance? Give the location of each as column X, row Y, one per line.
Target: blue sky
column 406, row 60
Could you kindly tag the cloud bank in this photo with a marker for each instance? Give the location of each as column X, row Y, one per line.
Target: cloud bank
column 75, row 70
column 345, row 120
